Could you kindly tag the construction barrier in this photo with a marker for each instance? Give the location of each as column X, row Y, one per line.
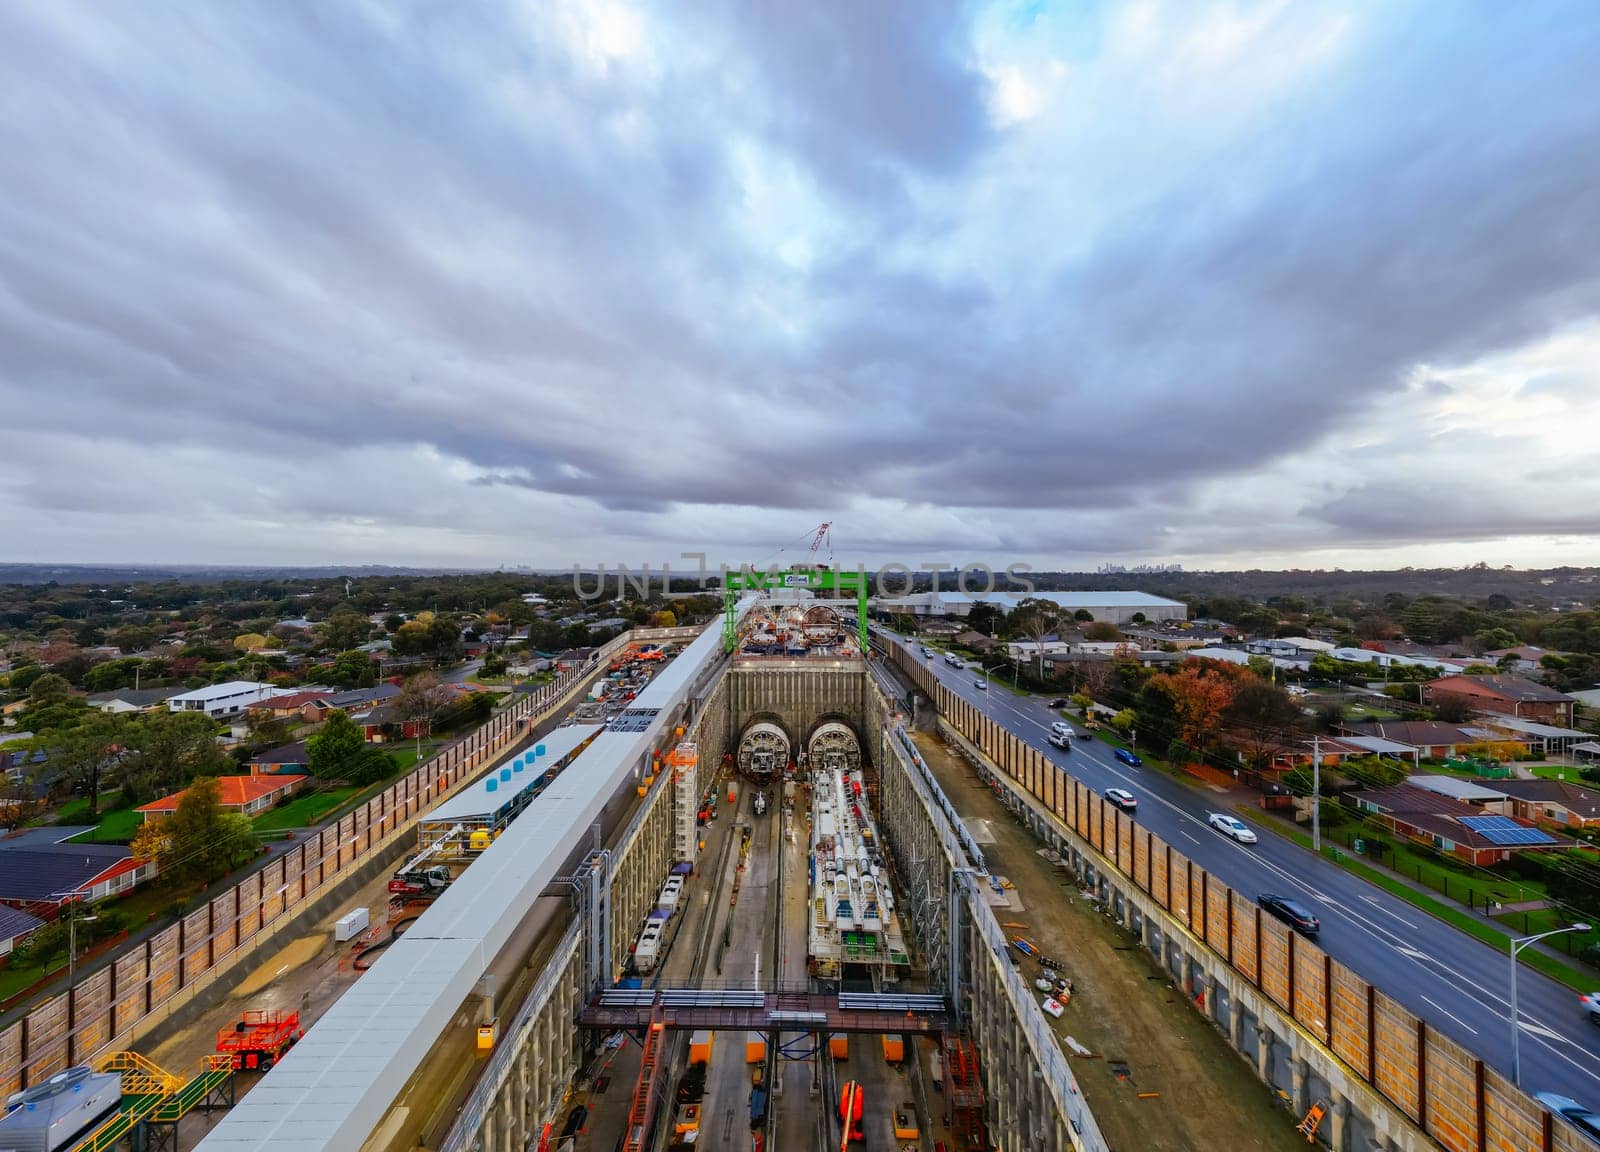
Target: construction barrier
column 110, row 1003
column 1443, row 1087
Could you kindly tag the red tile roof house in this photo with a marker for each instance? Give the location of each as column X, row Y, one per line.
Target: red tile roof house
column 1505, row 695
column 1433, row 738
column 248, row 795
column 1435, row 820
column 310, row 705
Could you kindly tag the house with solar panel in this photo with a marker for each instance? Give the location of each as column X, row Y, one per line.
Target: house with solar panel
column 1453, row 826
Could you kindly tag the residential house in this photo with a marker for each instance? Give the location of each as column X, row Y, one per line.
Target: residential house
column 39, row 878
column 126, row 700
column 1504, row 695
column 1434, row 739
column 383, row 721
column 358, row 702
column 1237, row 655
column 1522, row 659
column 309, row 705
column 1397, row 660
column 1452, row 826
column 227, row 699
column 287, row 760
column 15, row 925
column 1546, row 739
column 1553, row 802
column 1291, row 647
column 574, row 658
column 1330, row 751
column 247, row 795
column 1484, row 797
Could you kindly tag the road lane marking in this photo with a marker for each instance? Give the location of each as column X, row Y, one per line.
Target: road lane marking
column 1378, row 904
column 1489, row 1000
column 1189, row 834
column 1441, row 1008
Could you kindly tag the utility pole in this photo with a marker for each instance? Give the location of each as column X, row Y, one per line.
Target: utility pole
column 1316, row 793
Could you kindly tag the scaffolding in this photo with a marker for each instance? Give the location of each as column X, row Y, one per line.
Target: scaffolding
column 964, row 1090
column 684, row 762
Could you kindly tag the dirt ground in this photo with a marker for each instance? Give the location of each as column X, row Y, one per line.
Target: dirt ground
column 1123, row 1009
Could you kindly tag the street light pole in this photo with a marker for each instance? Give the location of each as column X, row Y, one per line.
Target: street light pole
column 1517, row 945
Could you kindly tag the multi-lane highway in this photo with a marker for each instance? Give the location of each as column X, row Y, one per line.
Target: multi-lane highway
column 1454, row 981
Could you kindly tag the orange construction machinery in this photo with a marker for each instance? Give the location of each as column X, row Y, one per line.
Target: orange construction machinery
column 259, row 1039
column 852, row 1103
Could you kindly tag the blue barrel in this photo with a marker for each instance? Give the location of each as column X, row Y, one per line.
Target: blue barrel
column 505, row 773
column 491, row 785
column 538, row 750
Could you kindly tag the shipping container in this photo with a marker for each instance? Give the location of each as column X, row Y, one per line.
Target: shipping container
column 894, row 1049
column 839, row 1046
column 755, row 1048
column 700, row 1047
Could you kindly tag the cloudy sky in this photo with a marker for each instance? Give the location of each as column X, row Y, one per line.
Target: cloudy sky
column 1305, row 284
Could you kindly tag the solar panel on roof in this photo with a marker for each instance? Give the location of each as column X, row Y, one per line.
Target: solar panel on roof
column 1504, row 831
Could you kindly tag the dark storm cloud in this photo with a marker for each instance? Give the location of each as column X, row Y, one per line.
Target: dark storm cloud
column 298, row 232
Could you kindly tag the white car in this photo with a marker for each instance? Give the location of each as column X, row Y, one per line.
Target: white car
column 1591, row 1006
column 926, row 651
column 983, row 684
column 1231, row 826
column 1062, row 728
column 1123, row 799
column 1061, row 740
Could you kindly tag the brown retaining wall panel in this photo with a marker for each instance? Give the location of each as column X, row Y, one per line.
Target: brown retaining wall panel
column 1512, row 1121
column 1349, row 1019
column 1452, row 1094
column 1310, row 988
column 1275, row 960
column 1217, row 916
column 1395, row 1041
column 1178, row 869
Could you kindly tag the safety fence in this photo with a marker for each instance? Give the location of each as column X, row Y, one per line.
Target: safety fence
column 109, row 1003
column 1439, row 1084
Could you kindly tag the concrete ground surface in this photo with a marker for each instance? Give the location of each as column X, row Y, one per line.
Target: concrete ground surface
column 1123, row 1009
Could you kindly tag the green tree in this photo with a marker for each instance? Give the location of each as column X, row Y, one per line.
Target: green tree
column 83, row 753
column 345, row 629
column 1103, row 631
column 1083, row 616
column 165, row 750
column 352, row 669
column 203, row 843
column 49, row 688
column 332, row 751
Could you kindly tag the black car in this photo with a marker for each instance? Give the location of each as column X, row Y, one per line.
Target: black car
column 1293, row 913
column 1058, row 703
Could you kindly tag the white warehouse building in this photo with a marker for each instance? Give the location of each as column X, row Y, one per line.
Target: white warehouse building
column 223, row 699
column 1112, row 607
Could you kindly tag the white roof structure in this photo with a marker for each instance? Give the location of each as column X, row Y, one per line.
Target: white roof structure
column 1467, row 791
column 334, row 1087
column 480, row 802
column 1534, row 728
column 1379, row 746
column 226, row 691
column 1069, row 600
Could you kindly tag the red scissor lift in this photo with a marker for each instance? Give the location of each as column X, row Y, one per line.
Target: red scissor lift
column 259, row 1039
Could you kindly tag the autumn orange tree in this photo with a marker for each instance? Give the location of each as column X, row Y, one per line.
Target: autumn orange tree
column 1200, row 692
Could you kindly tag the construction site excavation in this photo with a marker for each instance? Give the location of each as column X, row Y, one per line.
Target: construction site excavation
column 711, row 894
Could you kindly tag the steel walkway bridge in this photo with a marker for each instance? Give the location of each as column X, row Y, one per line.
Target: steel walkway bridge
column 754, row 1010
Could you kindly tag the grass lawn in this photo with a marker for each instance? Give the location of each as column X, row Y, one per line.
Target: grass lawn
column 14, row 980
column 1368, row 712
column 1573, row 976
column 76, row 810
column 115, row 827
column 306, row 809
column 1554, row 772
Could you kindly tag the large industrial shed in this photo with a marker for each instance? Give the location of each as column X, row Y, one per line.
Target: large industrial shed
column 1112, row 607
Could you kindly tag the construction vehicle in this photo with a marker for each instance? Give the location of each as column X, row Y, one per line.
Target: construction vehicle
column 761, row 803
column 420, row 883
column 259, row 1039
column 852, row 1103
column 758, row 1107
